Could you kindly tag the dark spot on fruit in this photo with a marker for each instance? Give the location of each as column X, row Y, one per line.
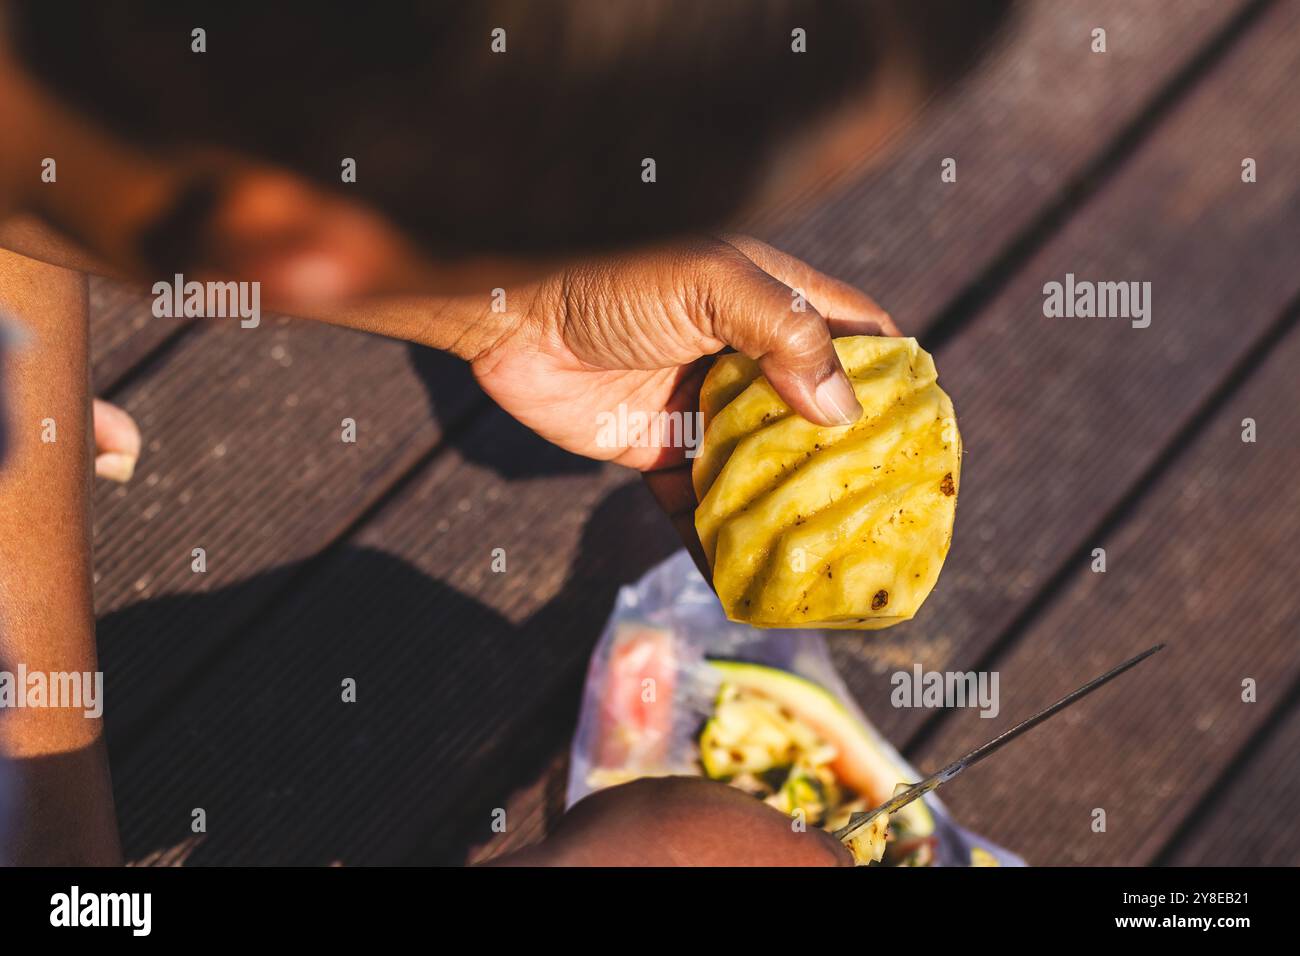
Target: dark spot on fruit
column 946, row 486
column 880, row 599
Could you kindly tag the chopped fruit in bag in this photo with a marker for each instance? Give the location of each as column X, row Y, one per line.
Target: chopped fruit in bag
column 790, row 743
column 674, row 688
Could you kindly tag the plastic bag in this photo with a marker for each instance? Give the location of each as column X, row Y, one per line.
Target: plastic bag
column 650, row 688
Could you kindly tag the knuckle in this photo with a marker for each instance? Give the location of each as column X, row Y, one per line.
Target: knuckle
column 803, row 335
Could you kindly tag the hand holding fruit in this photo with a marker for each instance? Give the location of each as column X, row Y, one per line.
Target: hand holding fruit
column 631, row 330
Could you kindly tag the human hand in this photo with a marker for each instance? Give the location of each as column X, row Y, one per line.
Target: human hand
column 679, row 821
column 631, row 331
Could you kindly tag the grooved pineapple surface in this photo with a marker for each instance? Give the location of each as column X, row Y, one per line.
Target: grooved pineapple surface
column 847, row 527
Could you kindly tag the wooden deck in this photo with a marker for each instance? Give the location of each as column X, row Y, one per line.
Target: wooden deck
column 371, row 560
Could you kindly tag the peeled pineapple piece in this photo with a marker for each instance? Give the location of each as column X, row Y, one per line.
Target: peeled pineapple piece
column 867, row 844
column 833, row 527
column 727, row 379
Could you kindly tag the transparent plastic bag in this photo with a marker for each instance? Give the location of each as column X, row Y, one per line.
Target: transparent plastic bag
column 650, row 688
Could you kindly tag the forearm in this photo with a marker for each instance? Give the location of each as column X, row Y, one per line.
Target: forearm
column 46, row 607
column 463, row 325
column 466, row 325
column 33, row 239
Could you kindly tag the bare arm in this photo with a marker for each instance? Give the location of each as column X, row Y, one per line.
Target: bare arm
column 46, row 609
column 31, row 238
column 463, row 325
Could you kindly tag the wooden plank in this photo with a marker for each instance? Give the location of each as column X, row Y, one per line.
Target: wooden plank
column 1059, row 416
column 1252, row 822
column 226, row 403
column 1204, row 564
column 123, row 330
column 454, row 664
column 1024, row 130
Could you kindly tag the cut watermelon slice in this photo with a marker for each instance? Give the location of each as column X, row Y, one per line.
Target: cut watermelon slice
column 636, row 708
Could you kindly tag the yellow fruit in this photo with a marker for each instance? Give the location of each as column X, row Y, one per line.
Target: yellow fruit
column 868, row 844
column 982, row 857
column 727, row 379
column 839, row 527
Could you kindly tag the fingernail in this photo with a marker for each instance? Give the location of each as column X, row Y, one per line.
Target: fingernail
column 836, row 400
column 115, row 466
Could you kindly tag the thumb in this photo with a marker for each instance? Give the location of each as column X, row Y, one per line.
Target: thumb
column 765, row 319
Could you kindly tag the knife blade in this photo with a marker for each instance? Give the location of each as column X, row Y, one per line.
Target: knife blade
column 940, row 777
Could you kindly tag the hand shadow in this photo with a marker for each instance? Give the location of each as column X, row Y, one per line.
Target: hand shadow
column 455, row 706
column 447, row 382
